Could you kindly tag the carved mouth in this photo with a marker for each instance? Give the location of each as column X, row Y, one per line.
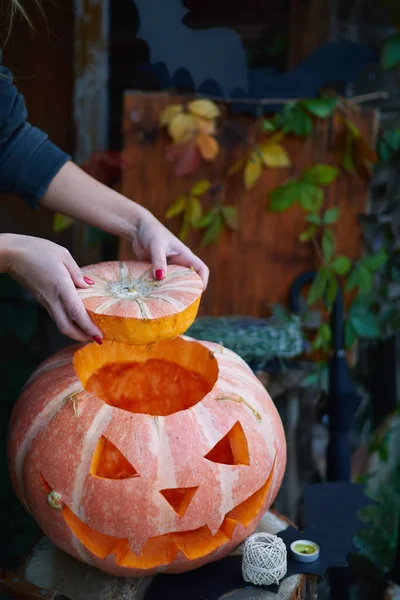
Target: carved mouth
column 163, row 549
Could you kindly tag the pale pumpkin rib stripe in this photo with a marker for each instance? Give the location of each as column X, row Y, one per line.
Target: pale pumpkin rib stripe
column 174, row 303
column 40, row 423
column 212, row 435
column 195, row 290
column 103, row 308
column 96, row 429
column 166, row 469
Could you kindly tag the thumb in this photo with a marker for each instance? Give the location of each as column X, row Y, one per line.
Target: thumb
column 76, row 274
column 158, row 260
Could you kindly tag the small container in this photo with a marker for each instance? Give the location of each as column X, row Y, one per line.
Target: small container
column 305, row 551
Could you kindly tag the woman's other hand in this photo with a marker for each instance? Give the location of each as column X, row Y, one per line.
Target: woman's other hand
column 51, row 275
column 152, row 241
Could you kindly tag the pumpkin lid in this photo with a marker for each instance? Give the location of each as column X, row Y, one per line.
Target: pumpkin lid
column 130, row 306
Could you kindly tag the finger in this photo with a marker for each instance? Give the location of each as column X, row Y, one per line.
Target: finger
column 158, row 259
column 188, row 259
column 77, row 313
column 64, row 323
column 76, row 274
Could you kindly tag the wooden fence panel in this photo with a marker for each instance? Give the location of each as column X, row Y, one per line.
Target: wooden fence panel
column 254, row 267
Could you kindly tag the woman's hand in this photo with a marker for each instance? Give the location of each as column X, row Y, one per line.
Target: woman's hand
column 51, row 275
column 152, row 241
column 74, row 193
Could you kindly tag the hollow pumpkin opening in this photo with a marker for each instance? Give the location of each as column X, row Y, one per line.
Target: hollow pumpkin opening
column 157, row 380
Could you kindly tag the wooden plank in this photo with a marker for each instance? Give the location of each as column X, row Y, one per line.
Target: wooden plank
column 91, row 77
column 254, row 268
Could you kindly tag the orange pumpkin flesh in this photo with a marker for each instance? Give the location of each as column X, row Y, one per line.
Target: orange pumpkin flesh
column 130, row 306
column 140, row 458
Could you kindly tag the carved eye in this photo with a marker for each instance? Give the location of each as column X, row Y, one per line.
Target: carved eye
column 232, row 449
column 179, row 498
column 109, row 463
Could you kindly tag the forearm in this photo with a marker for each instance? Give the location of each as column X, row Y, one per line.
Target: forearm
column 8, row 241
column 76, row 194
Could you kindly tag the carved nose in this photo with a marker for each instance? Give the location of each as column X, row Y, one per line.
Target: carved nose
column 179, row 499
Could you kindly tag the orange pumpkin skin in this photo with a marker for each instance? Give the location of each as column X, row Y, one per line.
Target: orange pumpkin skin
column 148, row 487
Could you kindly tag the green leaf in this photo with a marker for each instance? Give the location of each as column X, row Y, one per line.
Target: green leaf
column 375, row 261
column 296, row 120
column 268, row 126
column 307, row 235
column 341, row 265
column 331, row 216
column 323, row 337
column 284, row 196
column 184, row 230
column 310, row 196
column 230, row 216
column 360, row 277
column 313, row 218
column 205, row 220
column 365, row 324
column 389, row 144
column 391, row 52
column 177, row 207
column 319, row 285
column 194, row 210
column 328, row 244
column 213, row 231
column 350, row 335
column 200, row 187
column 331, row 289
column 320, row 107
column 322, row 174
column 61, row 222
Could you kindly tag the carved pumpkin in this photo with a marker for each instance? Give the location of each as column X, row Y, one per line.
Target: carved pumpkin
column 143, row 458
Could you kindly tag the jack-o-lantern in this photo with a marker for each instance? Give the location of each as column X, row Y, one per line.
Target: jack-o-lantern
column 137, row 459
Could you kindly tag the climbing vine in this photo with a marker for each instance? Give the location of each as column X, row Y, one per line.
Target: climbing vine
column 194, row 130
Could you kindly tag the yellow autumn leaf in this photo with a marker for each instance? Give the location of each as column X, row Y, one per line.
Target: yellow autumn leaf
column 274, row 155
column 169, row 113
column 204, row 108
column 182, row 127
column 252, row 170
column 208, row 146
column 176, row 207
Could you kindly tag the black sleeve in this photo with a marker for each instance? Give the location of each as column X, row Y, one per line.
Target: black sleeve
column 28, row 160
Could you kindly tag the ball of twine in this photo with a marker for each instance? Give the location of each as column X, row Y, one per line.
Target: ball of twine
column 264, row 559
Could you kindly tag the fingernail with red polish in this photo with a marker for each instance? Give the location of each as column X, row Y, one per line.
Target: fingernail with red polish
column 160, row 274
column 98, row 340
column 88, row 281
